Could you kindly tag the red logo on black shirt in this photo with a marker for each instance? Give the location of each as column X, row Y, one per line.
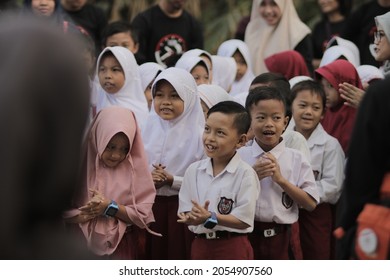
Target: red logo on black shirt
column 170, row 45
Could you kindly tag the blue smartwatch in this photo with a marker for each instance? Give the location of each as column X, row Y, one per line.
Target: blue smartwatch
column 111, row 209
column 211, row 222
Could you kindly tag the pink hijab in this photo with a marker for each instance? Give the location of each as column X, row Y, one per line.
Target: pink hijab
column 129, row 184
column 288, row 63
column 339, row 121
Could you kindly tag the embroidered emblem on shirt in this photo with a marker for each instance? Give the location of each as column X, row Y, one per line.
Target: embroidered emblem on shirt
column 287, row 201
column 225, row 205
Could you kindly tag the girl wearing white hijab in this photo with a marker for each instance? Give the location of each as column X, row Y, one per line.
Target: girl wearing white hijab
column 240, row 52
column 196, row 66
column 211, row 95
column 206, row 56
column 275, row 27
column 173, row 140
column 148, row 72
column 225, row 69
column 127, row 93
column 339, row 52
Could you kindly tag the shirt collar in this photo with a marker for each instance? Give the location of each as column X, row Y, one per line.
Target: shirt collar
column 231, row 167
column 257, row 151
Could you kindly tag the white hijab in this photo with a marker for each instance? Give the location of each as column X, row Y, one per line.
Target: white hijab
column 148, row 71
column 264, row 40
column 131, row 95
column 333, row 53
column 188, row 63
column 228, row 48
column 213, row 94
column 367, row 73
column 338, row 41
column 224, row 73
column 384, row 22
column 176, row 143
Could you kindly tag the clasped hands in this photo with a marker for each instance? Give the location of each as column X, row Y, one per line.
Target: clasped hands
column 160, row 176
column 94, row 207
column 198, row 214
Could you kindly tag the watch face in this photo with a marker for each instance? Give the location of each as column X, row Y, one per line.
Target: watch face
column 209, row 224
column 111, row 211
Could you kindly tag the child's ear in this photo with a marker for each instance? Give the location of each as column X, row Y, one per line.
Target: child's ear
column 241, row 141
column 286, row 119
column 136, row 47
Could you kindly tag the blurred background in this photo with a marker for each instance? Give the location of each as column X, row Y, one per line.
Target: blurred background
column 219, row 17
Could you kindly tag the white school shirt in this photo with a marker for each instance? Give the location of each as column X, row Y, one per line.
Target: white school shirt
column 273, row 204
column 233, row 191
column 327, row 158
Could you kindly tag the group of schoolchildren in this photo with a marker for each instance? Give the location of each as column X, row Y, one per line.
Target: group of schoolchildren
column 183, row 163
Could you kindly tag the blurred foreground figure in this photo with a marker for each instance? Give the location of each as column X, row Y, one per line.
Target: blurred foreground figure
column 43, row 111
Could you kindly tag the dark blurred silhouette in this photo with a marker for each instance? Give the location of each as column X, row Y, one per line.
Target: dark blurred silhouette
column 44, row 98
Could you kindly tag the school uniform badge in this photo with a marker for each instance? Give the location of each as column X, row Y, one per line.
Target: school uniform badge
column 287, row 201
column 225, row 205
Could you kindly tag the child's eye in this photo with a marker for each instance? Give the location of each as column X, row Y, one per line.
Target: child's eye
column 206, row 129
column 220, row 132
column 276, row 117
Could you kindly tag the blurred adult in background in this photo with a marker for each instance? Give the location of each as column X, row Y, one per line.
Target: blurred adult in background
column 44, row 98
column 275, row 27
column 166, row 31
column 360, row 28
column 88, row 16
column 334, row 14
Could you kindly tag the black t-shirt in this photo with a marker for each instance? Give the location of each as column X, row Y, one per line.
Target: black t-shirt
column 92, row 19
column 323, row 31
column 305, row 48
column 162, row 37
column 360, row 28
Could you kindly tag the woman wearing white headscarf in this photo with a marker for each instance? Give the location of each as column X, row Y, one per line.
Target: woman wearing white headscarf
column 240, row 52
column 382, row 42
column 275, row 27
column 130, row 95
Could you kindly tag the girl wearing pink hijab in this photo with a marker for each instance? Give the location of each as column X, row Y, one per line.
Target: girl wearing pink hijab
column 118, row 193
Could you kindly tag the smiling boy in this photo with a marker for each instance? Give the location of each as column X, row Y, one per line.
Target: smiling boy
column 218, row 195
column 285, row 175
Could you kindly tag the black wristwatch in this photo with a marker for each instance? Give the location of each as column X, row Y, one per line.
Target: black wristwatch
column 211, row 222
column 111, row 209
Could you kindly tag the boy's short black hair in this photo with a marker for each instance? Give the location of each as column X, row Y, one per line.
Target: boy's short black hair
column 264, row 93
column 242, row 119
column 312, row 86
column 119, row 27
column 278, row 81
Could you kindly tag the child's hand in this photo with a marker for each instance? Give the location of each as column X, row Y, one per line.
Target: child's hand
column 351, row 94
column 161, row 177
column 276, row 174
column 264, row 167
column 199, row 214
column 158, row 175
column 183, row 218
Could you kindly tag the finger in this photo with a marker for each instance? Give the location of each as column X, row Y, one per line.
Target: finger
column 206, row 205
column 195, row 204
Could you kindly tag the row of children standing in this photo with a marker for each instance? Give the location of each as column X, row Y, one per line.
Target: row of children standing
column 261, row 199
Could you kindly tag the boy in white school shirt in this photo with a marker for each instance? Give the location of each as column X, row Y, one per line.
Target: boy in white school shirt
column 327, row 161
column 218, row 195
column 286, row 178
